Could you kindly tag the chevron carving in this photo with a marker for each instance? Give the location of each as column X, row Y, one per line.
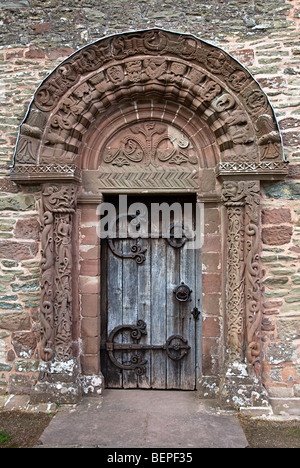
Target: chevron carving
column 141, row 178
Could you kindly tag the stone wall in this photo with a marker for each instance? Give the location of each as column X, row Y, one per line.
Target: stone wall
column 264, row 36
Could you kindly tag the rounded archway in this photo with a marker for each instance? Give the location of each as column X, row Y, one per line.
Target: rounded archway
column 151, row 112
column 203, row 81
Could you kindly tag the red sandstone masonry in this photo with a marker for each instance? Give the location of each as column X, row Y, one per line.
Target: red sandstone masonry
column 276, row 216
column 18, row 251
column 277, row 235
column 212, row 311
column 28, row 228
column 89, row 288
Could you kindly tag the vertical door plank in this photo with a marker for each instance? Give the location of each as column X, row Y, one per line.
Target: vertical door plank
column 144, row 308
column 114, row 311
column 130, row 311
column 187, row 267
column 173, row 311
column 158, row 312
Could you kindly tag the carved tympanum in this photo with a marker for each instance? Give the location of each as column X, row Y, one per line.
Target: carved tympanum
column 149, row 143
column 148, row 155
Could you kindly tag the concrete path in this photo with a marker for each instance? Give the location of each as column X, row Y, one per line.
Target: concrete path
column 144, row 419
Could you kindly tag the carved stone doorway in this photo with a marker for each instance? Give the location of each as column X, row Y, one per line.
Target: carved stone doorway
column 150, row 112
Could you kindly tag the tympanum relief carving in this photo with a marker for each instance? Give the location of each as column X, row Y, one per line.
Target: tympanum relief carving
column 149, row 143
column 146, row 155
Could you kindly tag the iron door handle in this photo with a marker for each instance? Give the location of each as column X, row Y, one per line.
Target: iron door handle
column 182, row 292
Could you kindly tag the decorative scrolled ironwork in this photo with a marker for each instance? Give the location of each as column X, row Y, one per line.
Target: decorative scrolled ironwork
column 136, row 252
column 176, row 347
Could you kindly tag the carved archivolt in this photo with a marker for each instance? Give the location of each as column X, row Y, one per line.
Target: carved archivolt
column 154, row 65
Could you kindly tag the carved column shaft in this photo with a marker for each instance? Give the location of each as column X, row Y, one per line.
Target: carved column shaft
column 235, row 278
column 253, row 275
column 47, row 287
column 56, row 265
column 243, row 288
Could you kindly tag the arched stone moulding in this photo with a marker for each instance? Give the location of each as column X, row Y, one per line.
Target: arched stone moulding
column 150, row 111
column 141, row 65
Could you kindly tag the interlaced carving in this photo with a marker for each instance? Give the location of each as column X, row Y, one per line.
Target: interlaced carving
column 63, row 286
column 59, row 198
column 243, row 271
column 253, row 277
column 235, row 279
column 56, row 266
column 47, row 287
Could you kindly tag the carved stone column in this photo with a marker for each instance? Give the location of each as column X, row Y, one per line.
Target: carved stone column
column 58, row 378
column 243, row 295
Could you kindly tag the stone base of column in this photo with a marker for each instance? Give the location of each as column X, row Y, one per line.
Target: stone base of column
column 92, row 385
column 58, row 382
column 209, row 387
column 234, row 390
column 239, row 390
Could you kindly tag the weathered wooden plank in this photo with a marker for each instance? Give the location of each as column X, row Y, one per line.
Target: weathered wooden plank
column 158, row 308
column 114, row 312
column 188, row 273
column 173, row 311
column 130, row 310
column 144, row 308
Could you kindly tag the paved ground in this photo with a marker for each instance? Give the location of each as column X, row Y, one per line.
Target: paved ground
column 144, row 419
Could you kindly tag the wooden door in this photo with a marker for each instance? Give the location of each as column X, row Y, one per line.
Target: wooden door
column 150, row 339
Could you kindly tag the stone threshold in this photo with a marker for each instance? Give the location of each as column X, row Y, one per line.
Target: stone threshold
column 22, row 403
column 286, row 407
